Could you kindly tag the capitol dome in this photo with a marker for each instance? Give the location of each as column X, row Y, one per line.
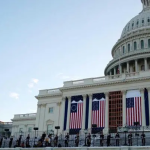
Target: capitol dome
column 131, row 53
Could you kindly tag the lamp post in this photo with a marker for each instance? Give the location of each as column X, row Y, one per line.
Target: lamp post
column 85, row 131
column 125, row 131
column 136, row 124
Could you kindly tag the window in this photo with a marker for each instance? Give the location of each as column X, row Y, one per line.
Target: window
column 123, row 50
column 137, row 23
column 135, row 46
column 142, row 44
column 20, row 130
column 30, row 129
column 148, row 43
column 148, row 20
column 142, row 22
column 132, row 25
column 51, row 110
column 50, row 129
column 128, row 47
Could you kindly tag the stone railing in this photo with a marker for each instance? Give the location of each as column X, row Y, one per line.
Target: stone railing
column 5, row 123
column 85, row 81
column 50, row 92
column 32, row 115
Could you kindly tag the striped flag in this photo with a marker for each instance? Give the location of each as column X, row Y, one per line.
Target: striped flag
column 98, row 112
column 76, row 115
column 133, row 107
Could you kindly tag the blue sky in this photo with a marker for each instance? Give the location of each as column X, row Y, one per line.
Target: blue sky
column 46, row 42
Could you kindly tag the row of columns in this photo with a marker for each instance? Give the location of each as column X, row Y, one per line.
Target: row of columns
column 107, row 110
column 128, row 66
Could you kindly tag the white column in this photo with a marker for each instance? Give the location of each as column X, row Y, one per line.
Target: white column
column 114, row 70
column 128, row 67
column 110, row 73
column 124, row 108
column 42, row 114
column 106, row 129
column 38, row 115
column 145, row 64
column 149, row 100
column 120, row 69
column 143, row 107
column 68, row 113
column 62, row 114
column 90, row 112
column 136, row 66
column 84, row 111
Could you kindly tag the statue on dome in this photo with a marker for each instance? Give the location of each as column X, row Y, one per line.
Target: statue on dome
column 146, row 3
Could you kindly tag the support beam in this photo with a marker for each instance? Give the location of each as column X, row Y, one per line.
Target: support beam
column 128, row 67
column 136, row 65
column 114, row 71
column 145, row 64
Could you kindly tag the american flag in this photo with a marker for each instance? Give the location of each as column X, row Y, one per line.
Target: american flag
column 76, row 115
column 133, row 111
column 98, row 112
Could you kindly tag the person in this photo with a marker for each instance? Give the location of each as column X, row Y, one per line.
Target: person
column 22, row 145
column 77, row 140
column 19, row 141
column 130, row 139
column 10, row 142
column 108, row 139
column 117, row 139
column 43, row 136
column 35, row 142
column 47, row 141
column 89, row 140
column 1, row 141
column 101, row 139
column 28, row 139
column 143, row 139
column 66, row 140
column 56, row 141
column 16, row 145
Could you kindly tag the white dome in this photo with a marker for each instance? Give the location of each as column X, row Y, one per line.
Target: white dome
column 138, row 22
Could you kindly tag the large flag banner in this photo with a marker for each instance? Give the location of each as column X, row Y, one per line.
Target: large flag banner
column 98, row 110
column 133, row 107
column 76, row 114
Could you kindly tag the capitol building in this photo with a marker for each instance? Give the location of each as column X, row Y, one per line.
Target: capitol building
column 120, row 98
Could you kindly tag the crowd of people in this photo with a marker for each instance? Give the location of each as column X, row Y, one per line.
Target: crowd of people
column 52, row 141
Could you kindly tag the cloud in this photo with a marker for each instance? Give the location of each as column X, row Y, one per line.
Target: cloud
column 33, row 82
column 14, row 95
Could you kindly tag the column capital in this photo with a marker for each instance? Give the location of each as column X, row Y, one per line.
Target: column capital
column 90, row 95
column 58, row 103
column 124, row 91
column 106, row 93
column 141, row 90
column 63, row 98
column 148, row 88
column 43, row 105
column 69, row 97
column 39, row 105
column 84, row 95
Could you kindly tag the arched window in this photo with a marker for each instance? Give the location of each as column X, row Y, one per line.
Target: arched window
column 128, row 47
column 148, row 20
column 148, row 43
column 135, row 46
column 137, row 23
column 142, row 68
column 142, row 44
column 132, row 25
column 142, row 22
column 123, row 50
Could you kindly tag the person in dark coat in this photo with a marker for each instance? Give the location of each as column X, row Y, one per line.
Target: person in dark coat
column 143, row 139
column 10, row 142
column 130, row 139
column 89, row 140
column 66, row 140
column 117, row 139
column 19, row 141
column 77, row 140
column 108, row 139
column 101, row 139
